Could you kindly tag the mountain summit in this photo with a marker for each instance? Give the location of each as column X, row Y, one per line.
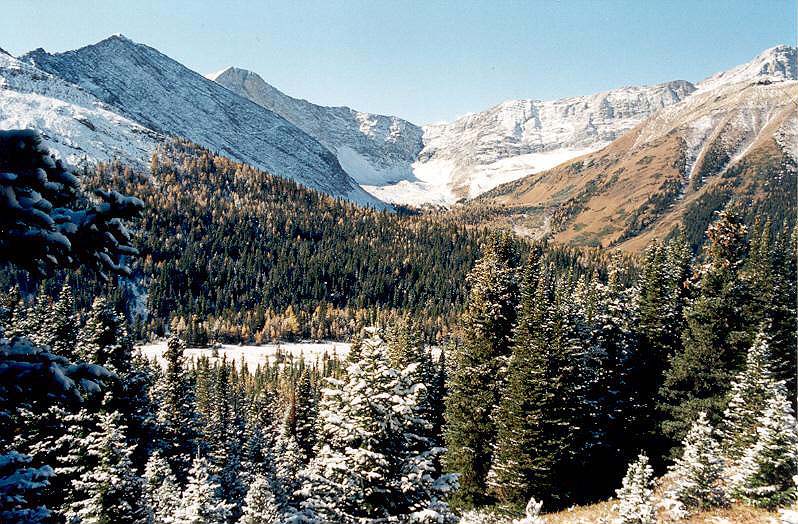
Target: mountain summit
column 157, row 92
column 374, row 149
column 776, row 64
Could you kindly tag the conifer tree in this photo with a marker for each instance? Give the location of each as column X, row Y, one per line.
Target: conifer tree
column 698, row 472
column 201, row 503
column 770, row 270
column 112, row 492
column 661, row 296
column 476, row 380
column 73, row 459
column 176, row 416
column 635, row 497
column 750, row 391
column 764, row 475
column 289, row 462
column 306, row 412
column 716, row 333
column 524, row 457
column 367, row 467
column 104, row 340
column 260, row 504
column 61, row 329
column 223, row 435
column 161, row 490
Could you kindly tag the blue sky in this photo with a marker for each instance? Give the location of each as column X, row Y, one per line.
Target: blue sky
column 425, row 61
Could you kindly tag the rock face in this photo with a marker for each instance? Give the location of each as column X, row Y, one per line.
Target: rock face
column 162, row 95
column 75, row 124
column 373, row 149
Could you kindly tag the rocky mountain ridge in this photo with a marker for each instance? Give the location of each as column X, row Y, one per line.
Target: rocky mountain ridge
column 149, row 88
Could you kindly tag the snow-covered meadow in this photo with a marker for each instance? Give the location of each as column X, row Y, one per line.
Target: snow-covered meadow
column 313, row 352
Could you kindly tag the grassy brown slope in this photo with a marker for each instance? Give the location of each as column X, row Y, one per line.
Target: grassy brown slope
column 603, row 513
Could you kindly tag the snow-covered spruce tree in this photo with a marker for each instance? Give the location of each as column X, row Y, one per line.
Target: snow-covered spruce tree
column 770, row 270
column 764, row 475
column 161, row 490
column 635, row 497
column 260, row 504
column 750, row 392
column 258, row 454
column 103, row 339
column 223, row 434
column 368, row 466
column 111, row 492
column 46, row 224
column 661, row 298
column 177, row 419
column 405, row 347
column 603, row 319
column 476, row 378
column 201, row 503
column 31, row 319
column 73, row 459
column 698, row 473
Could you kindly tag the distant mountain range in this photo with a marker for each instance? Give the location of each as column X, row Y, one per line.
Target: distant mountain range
column 734, row 138
column 119, row 99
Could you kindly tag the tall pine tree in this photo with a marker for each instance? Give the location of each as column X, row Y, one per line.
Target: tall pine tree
column 478, row 366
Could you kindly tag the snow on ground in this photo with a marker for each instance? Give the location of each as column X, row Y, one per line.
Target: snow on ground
column 256, row 355
column 486, row 177
column 431, row 185
column 434, row 178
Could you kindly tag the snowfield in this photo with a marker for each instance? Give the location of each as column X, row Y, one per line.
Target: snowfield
column 313, row 352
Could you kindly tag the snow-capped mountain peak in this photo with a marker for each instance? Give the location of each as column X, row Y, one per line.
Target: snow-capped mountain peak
column 161, row 94
column 76, row 125
column 776, row 64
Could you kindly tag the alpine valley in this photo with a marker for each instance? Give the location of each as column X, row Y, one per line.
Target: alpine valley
column 543, row 167
column 220, row 304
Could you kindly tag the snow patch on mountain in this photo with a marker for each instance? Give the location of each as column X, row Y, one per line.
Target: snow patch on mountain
column 522, row 137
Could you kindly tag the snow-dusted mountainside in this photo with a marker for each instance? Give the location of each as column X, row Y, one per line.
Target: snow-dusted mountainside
column 74, row 124
column 482, row 150
column 157, row 92
column 401, row 162
column 442, row 163
column 734, row 138
column 373, row 149
column 772, row 65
